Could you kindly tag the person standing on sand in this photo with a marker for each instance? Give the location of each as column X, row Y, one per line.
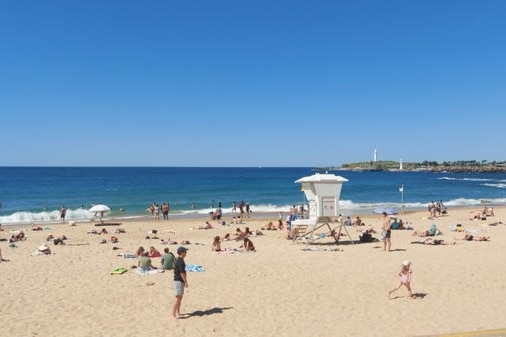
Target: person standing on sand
column 404, row 278
column 63, row 213
column 180, row 281
column 386, row 232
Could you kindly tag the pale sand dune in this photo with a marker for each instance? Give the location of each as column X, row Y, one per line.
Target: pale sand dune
column 278, row 291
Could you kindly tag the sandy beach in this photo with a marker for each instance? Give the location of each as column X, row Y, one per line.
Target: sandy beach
column 279, row 290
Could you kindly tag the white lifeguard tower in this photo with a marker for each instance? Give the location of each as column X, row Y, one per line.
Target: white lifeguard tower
column 322, row 192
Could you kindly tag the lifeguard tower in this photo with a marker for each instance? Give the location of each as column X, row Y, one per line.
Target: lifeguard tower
column 322, row 192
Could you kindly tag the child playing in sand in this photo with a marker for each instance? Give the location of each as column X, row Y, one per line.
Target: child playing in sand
column 404, row 278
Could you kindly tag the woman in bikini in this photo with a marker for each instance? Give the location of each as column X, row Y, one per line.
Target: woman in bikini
column 216, row 244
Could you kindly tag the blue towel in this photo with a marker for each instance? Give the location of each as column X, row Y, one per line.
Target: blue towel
column 194, row 267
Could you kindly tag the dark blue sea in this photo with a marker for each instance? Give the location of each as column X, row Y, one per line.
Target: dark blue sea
column 35, row 194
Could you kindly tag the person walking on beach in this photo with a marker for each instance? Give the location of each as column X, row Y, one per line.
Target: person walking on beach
column 386, row 232
column 180, row 281
column 63, row 213
column 234, row 207
column 404, row 278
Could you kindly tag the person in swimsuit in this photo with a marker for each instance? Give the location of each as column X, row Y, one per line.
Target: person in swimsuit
column 216, row 244
column 469, row 237
column 404, row 278
column 386, row 232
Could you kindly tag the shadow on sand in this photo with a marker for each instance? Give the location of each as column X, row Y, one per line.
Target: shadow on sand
column 207, row 312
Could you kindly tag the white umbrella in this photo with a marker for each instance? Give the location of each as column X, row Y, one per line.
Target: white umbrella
column 100, row 209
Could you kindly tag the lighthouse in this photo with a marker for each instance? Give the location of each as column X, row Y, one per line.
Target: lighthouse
column 375, row 155
column 400, row 165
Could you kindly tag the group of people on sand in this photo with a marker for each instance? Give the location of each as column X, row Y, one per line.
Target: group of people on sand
column 270, row 226
column 482, row 214
column 437, row 209
column 17, row 236
column 239, row 235
column 145, row 263
column 247, row 244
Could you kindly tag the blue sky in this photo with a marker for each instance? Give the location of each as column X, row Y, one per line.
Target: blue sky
column 251, row 82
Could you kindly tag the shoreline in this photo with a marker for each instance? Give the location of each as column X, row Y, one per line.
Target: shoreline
column 228, row 216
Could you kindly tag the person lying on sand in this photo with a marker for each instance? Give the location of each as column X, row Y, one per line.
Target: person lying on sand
column 433, row 242
column 269, row 227
column 430, row 232
column 169, row 241
column 469, row 237
column 44, row 249
column 206, row 226
column 19, row 236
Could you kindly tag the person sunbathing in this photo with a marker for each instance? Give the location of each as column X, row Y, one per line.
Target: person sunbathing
column 140, row 251
column 216, row 244
column 248, row 245
column 430, row 232
column 59, row 240
column 19, row 236
column 469, row 237
column 358, row 222
column 169, row 241
column 239, row 234
column 433, row 242
column 280, row 224
column 153, row 252
column 269, row 227
column 44, row 249
column 206, row 226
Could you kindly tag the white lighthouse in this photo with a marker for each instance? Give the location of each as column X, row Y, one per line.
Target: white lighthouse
column 375, row 155
column 400, row 165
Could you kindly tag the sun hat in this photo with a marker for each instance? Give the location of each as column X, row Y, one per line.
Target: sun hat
column 406, row 263
column 181, row 250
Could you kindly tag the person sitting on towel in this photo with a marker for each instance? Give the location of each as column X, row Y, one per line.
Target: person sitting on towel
column 144, row 263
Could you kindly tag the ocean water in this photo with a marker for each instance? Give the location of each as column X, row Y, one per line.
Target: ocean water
column 35, row 194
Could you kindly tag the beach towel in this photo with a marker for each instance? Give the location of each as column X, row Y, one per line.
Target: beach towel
column 120, row 270
column 225, row 251
column 194, row 267
column 148, row 272
column 317, row 249
column 129, row 256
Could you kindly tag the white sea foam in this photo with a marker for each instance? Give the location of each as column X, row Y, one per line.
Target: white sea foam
column 47, row 216
column 345, row 207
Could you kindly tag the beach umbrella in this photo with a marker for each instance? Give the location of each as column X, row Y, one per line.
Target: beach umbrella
column 387, row 210
column 101, row 209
